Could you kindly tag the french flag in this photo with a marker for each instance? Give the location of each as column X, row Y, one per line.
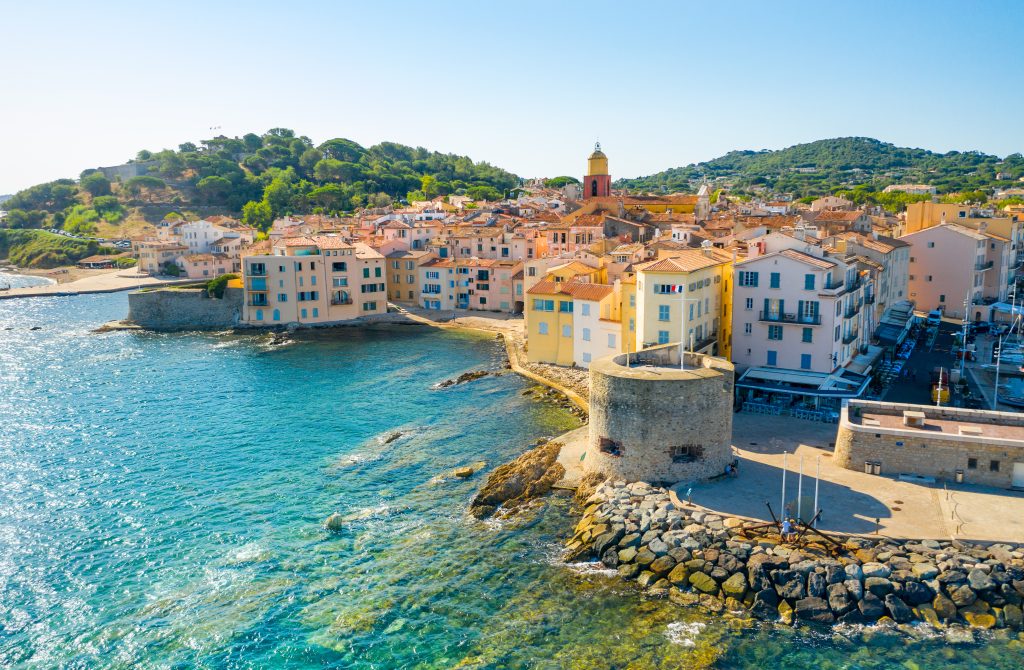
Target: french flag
column 676, row 288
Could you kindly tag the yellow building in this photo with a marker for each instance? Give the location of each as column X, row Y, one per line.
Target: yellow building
column 628, row 311
column 549, row 324
column 921, row 215
column 687, row 297
column 403, row 284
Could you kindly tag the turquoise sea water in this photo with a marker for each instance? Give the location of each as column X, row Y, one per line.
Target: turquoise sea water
column 162, row 500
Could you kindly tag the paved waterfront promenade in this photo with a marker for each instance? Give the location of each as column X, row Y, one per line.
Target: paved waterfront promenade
column 106, row 282
column 851, row 500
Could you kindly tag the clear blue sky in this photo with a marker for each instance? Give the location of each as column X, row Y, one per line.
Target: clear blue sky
column 524, row 85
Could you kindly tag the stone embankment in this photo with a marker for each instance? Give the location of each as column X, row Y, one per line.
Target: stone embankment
column 727, row 564
column 173, row 309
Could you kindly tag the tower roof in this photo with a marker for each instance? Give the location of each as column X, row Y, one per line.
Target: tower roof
column 597, row 151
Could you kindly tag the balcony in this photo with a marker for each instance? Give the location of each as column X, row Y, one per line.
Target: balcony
column 780, row 317
column 257, row 300
column 850, row 337
column 851, row 311
column 869, row 300
column 981, row 267
column 341, row 301
column 258, row 284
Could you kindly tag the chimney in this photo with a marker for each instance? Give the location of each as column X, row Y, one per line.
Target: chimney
column 705, row 246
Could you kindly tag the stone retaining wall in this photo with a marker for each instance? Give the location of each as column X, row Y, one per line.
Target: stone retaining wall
column 184, row 309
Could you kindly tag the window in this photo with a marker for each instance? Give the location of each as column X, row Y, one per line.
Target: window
column 931, row 245
column 611, row 340
column 747, row 329
column 259, row 315
column 542, row 328
column 586, row 357
column 942, row 296
column 808, row 335
column 774, row 280
column 773, row 357
column 277, row 315
column 632, row 325
column 808, row 282
column 369, row 306
column 748, row 279
column 312, row 280
column 304, row 313
column 256, row 269
column 565, row 306
column 366, row 273
column 663, row 312
column 691, row 311
column 586, row 334
column 662, row 337
column 837, row 334
column 632, row 299
column 340, row 281
column 972, row 463
column 316, row 312
column 805, row 361
column 567, row 331
column 750, row 303
column 585, row 309
column 376, row 272
column 993, row 466
column 774, row 332
column 543, row 305
column 282, row 297
column 686, row 453
column 396, row 264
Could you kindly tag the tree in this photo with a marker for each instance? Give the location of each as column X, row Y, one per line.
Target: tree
column 143, row 155
column 278, row 194
column 19, row 218
column 257, row 215
column 187, row 148
column 329, row 196
column 342, row 150
column 213, row 189
column 136, row 186
column 96, row 183
column 428, row 184
column 108, row 207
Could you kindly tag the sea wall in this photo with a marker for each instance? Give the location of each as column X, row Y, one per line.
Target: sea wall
column 720, row 563
column 184, row 309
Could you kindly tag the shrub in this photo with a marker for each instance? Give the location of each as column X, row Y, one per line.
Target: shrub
column 215, row 287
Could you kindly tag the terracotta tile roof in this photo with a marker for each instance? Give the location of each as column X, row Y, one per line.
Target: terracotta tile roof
column 545, row 287
column 330, row 242
column 584, row 291
column 298, row 242
column 838, row 215
column 807, row 258
column 574, row 266
column 686, row 260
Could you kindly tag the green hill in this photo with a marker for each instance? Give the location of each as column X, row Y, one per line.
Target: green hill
column 259, row 177
column 845, row 163
column 40, row 249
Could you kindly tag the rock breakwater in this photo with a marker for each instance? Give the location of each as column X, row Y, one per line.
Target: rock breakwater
column 515, row 484
column 722, row 563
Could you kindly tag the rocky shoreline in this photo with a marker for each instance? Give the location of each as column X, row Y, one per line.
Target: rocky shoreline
column 725, row 564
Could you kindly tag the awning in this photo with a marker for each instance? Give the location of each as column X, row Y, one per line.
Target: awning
column 843, row 383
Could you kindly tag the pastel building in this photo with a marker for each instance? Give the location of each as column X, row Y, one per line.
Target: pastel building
column 685, row 297
column 403, row 274
column 474, row 283
column 313, row 280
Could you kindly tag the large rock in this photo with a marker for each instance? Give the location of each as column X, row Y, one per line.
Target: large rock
column 980, row 581
column 854, row 588
column 645, row 557
column 924, row 570
column 662, row 565
column 789, row 584
column 766, row 604
column 1013, row 617
column 735, row 586
column 880, row 586
column 962, row 596
column 813, row 609
column 629, row 570
column 944, row 607
column 876, row 570
column 514, row 484
column 872, row 607
column 679, row 575
column 335, row 522
column 627, row 555
column 839, row 599
column 729, row 563
column 703, row 583
column 916, row 593
column 898, row 609
column 606, row 541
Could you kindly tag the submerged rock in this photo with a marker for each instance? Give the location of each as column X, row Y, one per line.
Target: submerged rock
column 464, row 378
column 334, row 522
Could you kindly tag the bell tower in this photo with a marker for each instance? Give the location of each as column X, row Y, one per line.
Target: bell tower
column 597, row 183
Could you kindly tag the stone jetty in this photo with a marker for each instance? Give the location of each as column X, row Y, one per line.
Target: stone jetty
column 722, row 563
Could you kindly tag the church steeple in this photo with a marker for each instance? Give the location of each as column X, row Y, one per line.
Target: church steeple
column 597, row 183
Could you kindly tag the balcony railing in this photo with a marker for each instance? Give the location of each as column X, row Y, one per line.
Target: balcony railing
column 851, row 311
column 869, row 300
column 257, row 303
column 341, row 301
column 981, row 267
column 781, row 317
column 850, row 337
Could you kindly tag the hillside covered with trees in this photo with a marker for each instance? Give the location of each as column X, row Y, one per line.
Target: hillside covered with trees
column 836, row 165
column 257, row 177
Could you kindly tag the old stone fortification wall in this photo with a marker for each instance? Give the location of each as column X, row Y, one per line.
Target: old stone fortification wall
column 923, row 452
column 184, row 309
column 658, row 423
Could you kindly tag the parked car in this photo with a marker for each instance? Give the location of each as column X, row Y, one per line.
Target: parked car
column 981, row 327
column 934, row 317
